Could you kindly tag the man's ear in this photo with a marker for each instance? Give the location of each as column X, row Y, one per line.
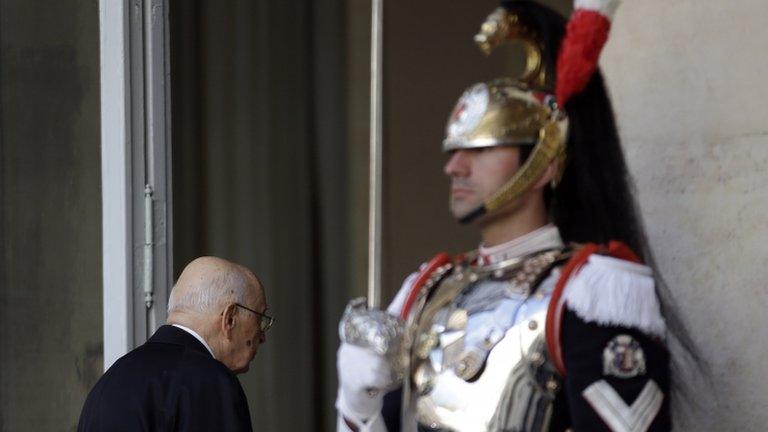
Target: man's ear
column 547, row 177
column 228, row 320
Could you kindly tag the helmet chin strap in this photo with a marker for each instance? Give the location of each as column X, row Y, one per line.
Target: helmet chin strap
column 549, row 148
column 473, row 215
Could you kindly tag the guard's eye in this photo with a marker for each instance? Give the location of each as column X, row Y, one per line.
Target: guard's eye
column 477, row 150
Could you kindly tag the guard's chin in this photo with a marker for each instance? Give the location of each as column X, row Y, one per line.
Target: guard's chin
column 466, row 213
column 459, row 211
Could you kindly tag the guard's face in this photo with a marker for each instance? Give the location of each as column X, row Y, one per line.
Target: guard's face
column 476, row 174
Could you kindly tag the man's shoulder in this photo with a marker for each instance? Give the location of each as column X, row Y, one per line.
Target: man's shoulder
column 148, row 383
column 145, row 358
column 187, row 364
column 167, row 359
column 201, row 365
column 166, row 368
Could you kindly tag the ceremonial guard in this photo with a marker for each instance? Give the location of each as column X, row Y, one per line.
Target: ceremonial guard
column 554, row 323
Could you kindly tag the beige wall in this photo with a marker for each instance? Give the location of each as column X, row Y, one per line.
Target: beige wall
column 688, row 83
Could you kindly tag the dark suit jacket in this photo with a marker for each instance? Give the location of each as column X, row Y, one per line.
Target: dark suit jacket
column 171, row 383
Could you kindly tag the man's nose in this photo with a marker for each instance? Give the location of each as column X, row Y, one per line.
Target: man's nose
column 457, row 165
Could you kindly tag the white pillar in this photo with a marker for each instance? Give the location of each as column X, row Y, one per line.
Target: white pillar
column 135, row 152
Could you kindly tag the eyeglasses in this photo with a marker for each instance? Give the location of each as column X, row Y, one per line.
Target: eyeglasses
column 265, row 321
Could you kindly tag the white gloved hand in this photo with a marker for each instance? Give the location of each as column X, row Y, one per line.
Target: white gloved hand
column 364, row 378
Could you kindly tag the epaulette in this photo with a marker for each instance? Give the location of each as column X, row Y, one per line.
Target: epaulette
column 606, row 285
column 614, row 292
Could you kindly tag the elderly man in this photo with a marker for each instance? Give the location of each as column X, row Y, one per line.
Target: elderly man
column 182, row 378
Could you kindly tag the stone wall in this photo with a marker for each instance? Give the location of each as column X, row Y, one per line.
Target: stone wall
column 688, row 84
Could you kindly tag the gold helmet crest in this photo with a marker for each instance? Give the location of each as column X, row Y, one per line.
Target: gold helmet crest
column 511, row 112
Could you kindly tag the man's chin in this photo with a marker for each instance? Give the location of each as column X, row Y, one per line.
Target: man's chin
column 245, row 368
column 461, row 212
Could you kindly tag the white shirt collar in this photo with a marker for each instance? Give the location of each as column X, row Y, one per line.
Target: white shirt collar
column 546, row 237
column 197, row 336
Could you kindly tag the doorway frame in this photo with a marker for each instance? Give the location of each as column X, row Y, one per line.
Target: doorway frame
column 135, row 171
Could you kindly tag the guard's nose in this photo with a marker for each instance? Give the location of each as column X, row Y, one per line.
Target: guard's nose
column 457, row 165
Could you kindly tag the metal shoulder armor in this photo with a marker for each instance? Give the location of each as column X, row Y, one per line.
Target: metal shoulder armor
column 478, row 358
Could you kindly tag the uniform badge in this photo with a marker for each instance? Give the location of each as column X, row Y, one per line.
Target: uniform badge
column 623, row 357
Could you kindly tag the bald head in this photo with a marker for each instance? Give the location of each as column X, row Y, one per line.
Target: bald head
column 224, row 304
column 208, row 283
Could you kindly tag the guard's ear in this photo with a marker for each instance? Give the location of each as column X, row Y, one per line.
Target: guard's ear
column 548, row 175
column 229, row 320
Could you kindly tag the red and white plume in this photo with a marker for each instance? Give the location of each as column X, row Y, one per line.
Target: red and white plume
column 585, row 37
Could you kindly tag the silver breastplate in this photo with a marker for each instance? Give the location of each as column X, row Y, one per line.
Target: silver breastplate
column 479, row 360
